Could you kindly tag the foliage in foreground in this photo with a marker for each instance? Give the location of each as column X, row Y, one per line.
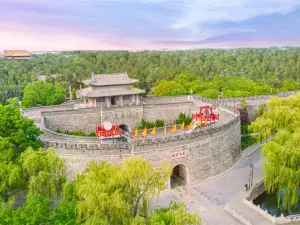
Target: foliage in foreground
column 281, row 120
column 17, row 130
column 103, row 194
column 121, row 194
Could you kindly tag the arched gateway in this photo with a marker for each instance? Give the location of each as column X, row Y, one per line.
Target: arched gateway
column 124, row 127
column 179, row 176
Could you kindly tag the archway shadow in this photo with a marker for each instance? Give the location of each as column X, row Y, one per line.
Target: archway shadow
column 179, row 176
column 124, row 127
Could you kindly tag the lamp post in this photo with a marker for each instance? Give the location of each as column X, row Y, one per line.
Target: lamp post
column 251, row 167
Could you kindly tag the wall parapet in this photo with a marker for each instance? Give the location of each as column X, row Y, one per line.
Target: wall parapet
column 57, row 139
column 258, row 97
column 202, row 131
column 86, row 110
column 50, row 107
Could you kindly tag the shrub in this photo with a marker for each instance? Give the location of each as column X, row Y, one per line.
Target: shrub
column 183, row 118
column 92, row 134
column 150, row 124
column 75, row 133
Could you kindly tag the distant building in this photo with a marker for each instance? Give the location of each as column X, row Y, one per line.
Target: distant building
column 17, row 54
column 110, row 89
column 44, row 52
column 44, row 77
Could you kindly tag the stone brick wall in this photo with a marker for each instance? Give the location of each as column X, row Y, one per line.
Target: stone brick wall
column 165, row 99
column 209, row 151
column 166, row 111
column 87, row 119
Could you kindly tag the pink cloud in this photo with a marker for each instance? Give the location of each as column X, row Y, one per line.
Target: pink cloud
column 34, row 38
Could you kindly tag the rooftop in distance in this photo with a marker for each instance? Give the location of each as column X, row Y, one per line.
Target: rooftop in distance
column 109, row 79
column 16, row 53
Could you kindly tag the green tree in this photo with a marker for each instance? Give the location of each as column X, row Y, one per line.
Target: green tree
column 282, row 153
column 19, row 131
column 173, row 215
column 41, row 93
column 35, row 211
column 45, row 171
column 166, row 88
column 74, row 95
column 113, row 194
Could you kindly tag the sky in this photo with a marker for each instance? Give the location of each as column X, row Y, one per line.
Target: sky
column 52, row 25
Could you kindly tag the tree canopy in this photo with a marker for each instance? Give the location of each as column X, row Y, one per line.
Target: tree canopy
column 20, row 132
column 223, row 86
column 281, row 121
column 268, row 66
column 42, row 93
column 103, row 194
column 121, row 194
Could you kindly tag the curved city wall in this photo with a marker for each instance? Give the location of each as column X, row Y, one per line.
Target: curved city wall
column 205, row 152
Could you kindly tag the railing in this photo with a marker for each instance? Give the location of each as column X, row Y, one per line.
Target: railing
column 237, row 215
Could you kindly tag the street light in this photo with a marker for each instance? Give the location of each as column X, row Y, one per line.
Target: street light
column 251, row 166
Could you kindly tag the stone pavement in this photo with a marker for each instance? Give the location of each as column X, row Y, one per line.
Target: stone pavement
column 209, row 197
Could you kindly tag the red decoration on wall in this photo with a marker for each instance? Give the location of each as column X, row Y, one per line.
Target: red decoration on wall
column 115, row 131
column 205, row 113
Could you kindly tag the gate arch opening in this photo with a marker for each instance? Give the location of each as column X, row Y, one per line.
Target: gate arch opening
column 179, row 176
column 124, row 127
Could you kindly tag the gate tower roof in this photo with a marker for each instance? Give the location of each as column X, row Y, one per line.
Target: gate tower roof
column 99, row 80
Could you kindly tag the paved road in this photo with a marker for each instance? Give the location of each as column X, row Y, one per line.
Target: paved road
column 209, row 197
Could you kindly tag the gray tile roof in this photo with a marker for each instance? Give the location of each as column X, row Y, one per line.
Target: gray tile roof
column 110, row 92
column 109, row 79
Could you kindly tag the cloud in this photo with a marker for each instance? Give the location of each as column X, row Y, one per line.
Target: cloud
column 136, row 24
column 199, row 14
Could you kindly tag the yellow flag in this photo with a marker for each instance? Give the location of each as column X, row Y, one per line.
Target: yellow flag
column 144, row 132
column 165, row 130
column 153, row 132
column 191, row 125
column 136, row 133
column 173, row 129
column 182, row 126
column 199, row 123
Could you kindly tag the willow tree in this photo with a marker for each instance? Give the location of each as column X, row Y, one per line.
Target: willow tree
column 121, row 193
column 45, row 171
column 117, row 194
column 281, row 165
